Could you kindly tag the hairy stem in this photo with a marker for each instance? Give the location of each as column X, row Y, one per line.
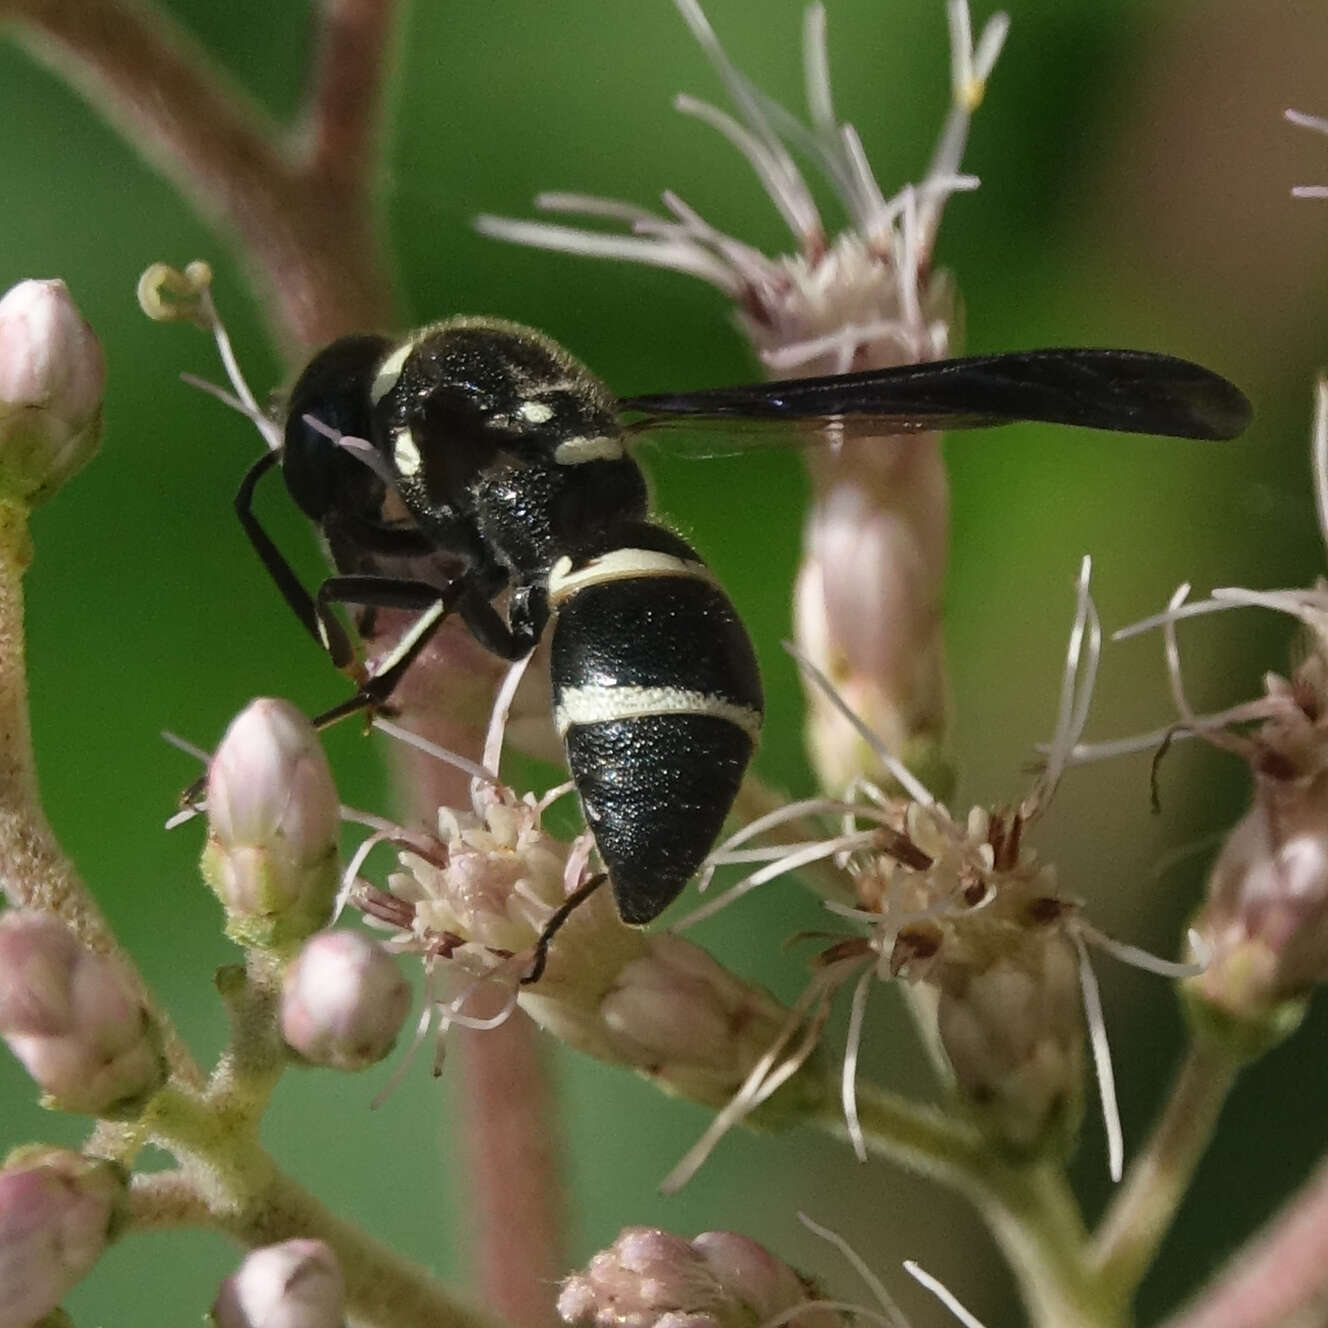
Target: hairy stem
column 1143, row 1208
column 165, row 1201
column 512, row 1139
column 238, row 1188
column 33, row 870
column 299, row 209
column 343, row 109
column 1029, row 1208
column 512, row 1155
column 251, row 1065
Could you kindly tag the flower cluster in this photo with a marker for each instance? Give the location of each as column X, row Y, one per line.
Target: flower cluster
column 867, row 596
column 474, row 899
column 1264, row 922
column 969, row 911
column 719, row 1279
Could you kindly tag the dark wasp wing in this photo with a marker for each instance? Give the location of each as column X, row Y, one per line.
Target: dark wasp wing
column 1126, row 391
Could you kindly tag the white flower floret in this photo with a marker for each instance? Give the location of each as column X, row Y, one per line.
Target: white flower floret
column 968, row 909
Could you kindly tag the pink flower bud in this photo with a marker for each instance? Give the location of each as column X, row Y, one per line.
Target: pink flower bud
column 685, row 1021
column 750, row 1272
column 1265, row 922
column 52, row 376
column 57, row 1211
column 271, row 855
column 71, row 1016
column 650, row 1279
column 867, row 608
column 296, row 1284
column 343, row 1001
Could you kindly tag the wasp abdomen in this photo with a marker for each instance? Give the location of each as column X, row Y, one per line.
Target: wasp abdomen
column 658, row 701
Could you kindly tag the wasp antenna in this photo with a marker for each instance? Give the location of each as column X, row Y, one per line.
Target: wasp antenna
column 360, row 448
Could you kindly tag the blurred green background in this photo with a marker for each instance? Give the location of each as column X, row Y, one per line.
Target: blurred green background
column 1136, row 174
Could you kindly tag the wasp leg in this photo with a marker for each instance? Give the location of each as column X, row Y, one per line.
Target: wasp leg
column 380, row 592
column 527, row 615
column 556, row 920
column 322, row 626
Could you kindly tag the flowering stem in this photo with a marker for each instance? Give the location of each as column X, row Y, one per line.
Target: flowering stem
column 165, row 1201
column 1280, row 1278
column 1139, row 1216
column 512, row 1154
column 34, row 871
column 1030, row 1209
column 238, row 1188
column 300, row 207
column 248, row 1071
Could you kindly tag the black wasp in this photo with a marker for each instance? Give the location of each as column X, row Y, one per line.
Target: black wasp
column 483, row 447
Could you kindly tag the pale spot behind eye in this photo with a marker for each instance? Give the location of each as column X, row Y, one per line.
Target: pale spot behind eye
column 535, row 412
column 576, row 450
column 405, row 453
column 389, row 371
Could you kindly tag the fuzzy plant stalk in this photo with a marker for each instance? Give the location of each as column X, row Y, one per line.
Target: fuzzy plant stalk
column 297, row 204
column 72, row 1006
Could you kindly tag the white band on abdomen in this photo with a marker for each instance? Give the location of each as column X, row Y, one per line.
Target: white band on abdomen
column 621, row 565
column 602, row 705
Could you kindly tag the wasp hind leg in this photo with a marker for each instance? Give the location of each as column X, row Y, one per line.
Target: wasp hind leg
column 556, row 920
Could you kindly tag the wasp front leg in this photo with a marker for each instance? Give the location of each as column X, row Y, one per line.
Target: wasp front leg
column 432, row 604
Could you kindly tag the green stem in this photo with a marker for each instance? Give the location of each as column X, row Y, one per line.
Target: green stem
column 238, row 1187
column 1141, row 1213
column 34, row 871
column 249, row 1069
column 1029, row 1208
column 165, row 1201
